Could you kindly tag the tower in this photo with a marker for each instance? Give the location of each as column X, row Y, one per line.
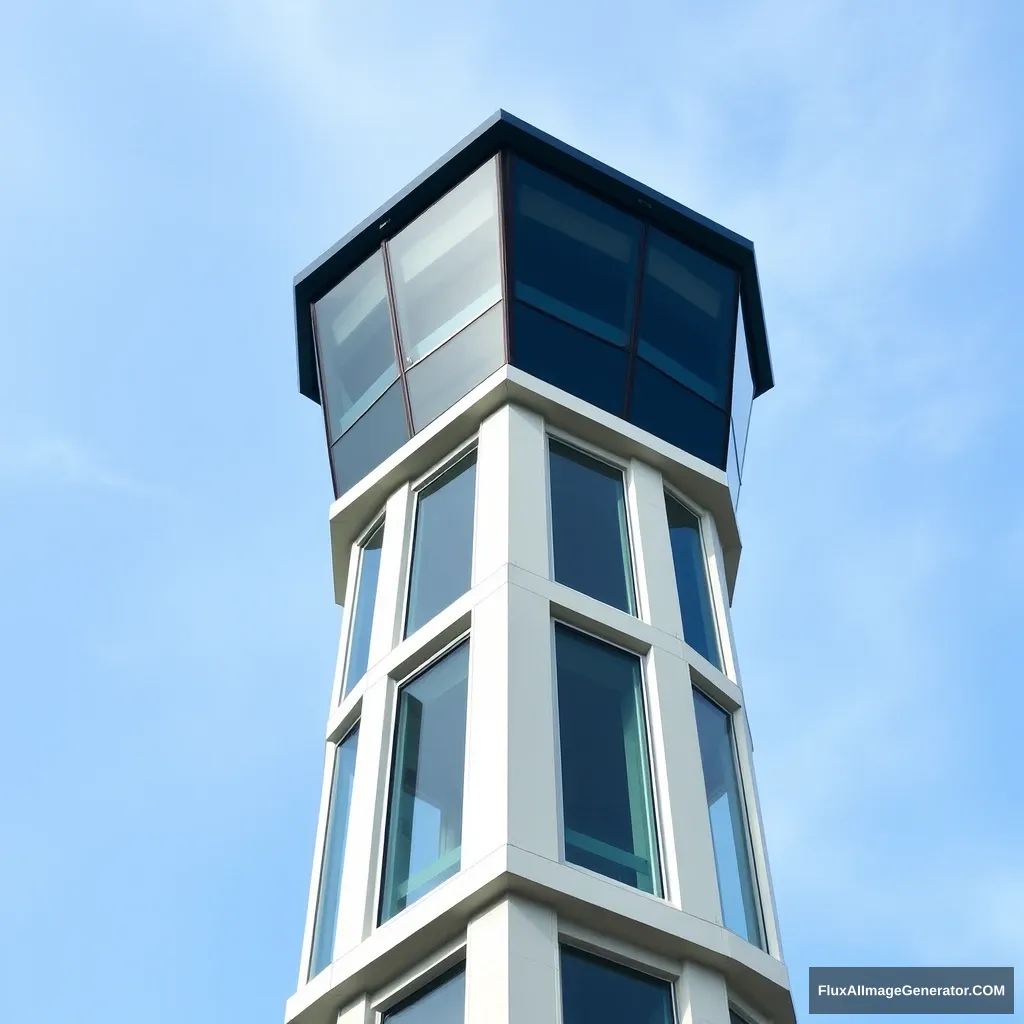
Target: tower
column 538, row 802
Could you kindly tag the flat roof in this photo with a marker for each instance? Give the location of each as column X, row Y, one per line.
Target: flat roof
column 503, row 131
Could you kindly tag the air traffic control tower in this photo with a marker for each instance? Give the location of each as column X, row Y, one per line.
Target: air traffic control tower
column 538, row 801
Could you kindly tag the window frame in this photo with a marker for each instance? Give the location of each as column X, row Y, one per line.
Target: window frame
column 416, row 489
column 654, row 772
column 625, row 467
column 748, row 836
column 351, row 593
column 321, row 855
column 713, row 575
column 396, row 684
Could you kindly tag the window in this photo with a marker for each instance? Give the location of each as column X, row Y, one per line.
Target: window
column 423, row 844
column 365, row 600
column 597, row 991
column 378, row 433
column 692, row 581
column 589, row 537
column 575, row 278
column 607, row 804
column 357, row 348
column 326, row 921
column 446, row 265
column 442, row 1002
column 728, row 827
column 442, row 553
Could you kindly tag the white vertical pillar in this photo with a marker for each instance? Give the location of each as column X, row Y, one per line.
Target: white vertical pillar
column 512, row 965
column 655, row 569
column 685, row 818
column 702, row 996
column 357, row 903
column 359, row 1012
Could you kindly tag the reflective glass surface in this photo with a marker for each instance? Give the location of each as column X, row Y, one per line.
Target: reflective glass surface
column 423, row 845
column 326, row 922
column 356, row 346
column 589, row 536
column 442, row 1003
column 575, row 256
column 366, row 599
column 692, row 581
column 452, row 371
column 676, row 414
column 597, row 991
column 688, row 317
column 728, row 827
column 732, row 472
column 570, row 359
column 742, row 393
column 446, row 265
column 607, row 805
column 442, row 552
column 378, row 433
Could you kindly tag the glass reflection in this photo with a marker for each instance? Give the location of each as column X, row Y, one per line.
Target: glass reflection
column 446, row 265
column 423, row 845
column 442, row 553
column 589, row 536
column 742, row 393
column 607, row 806
column 356, row 346
column 688, row 317
column 326, row 922
column 365, row 601
column 596, row 991
column 728, row 827
column 443, row 1002
column 575, row 256
column 378, row 433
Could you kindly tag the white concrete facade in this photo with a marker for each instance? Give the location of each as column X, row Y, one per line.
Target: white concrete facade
column 515, row 899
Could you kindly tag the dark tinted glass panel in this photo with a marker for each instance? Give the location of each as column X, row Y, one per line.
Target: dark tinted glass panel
column 688, row 317
column 380, row 432
column 692, row 581
column 357, row 349
column 728, row 827
column 732, row 472
column 423, row 845
column 442, row 553
column 596, row 991
column 443, row 1003
column 453, row 370
column 366, row 599
column 607, row 806
column 589, row 537
column 446, row 265
column 571, row 360
column 575, row 257
column 742, row 393
column 677, row 415
column 326, row 921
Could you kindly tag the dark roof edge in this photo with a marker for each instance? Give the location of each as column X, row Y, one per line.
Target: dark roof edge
column 498, row 131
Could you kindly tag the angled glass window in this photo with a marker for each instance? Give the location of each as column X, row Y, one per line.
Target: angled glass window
column 326, row 921
column 423, row 844
column 688, row 317
column 575, row 256
column 441, row 1002
column 365, row 601
column 729, row 835
column 742, row 393
column 442, row 551
column 446, row 265
column 377, row 434
column 589, row 536
column 692, row 581
column 356, row 346
column 607, row 803
column 597, row 991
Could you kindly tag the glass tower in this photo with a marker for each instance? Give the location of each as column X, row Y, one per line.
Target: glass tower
column 538, row 802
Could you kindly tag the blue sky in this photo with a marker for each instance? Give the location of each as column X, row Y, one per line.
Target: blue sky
column 168, row 628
